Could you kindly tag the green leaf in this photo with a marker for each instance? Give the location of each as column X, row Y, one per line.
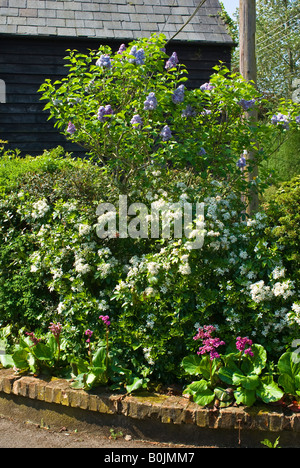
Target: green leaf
column 98, row 371
column 289, row 373
column 81, row 366
column 52, row 345
column 226, row 375
column 202, row 394
column 7, row 360
column 223, row 394
column 287, row 383
column 288, row 365
column 136, row 384
column 99, row 357
column 254, row 364
column 19, row 358
column 268, row 391
column 42, row 352
column 249, row 382
column 79, row 382
column 191, row 364
column 244, row 396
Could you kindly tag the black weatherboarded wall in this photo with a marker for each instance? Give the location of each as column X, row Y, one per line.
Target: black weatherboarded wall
column 26, row 63
column 35, row 34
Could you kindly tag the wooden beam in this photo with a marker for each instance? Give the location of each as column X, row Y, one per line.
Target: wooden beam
column 248, row 69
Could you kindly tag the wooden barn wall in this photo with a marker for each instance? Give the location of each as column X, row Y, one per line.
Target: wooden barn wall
column 25, row 63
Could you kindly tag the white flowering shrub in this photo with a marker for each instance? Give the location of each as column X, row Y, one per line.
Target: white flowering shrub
column 156, row 142
column 156, row 292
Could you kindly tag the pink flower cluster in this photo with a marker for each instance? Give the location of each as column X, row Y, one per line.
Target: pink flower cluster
column 209, row 344
column 56, row 329
column 105, row 319
column 89, row 334
column 33, row 338
column 241, row 344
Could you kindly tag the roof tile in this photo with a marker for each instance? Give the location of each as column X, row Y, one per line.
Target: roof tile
column 122, row 19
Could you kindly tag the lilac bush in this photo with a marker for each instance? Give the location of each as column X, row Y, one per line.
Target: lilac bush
column 150, row 137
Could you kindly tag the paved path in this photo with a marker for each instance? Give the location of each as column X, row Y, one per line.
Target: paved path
column 16, row 434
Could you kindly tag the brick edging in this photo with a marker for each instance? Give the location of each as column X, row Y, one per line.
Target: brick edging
column 156, row 407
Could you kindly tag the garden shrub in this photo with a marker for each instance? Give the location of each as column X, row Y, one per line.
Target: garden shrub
column 151, row 139
column 284, row 226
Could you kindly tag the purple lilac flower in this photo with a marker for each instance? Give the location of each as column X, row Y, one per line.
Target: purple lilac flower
column 122, row 49
column 202, row 152
column 151, row 102
column 166, row 133
column 138, row 54
column 140, row 57
column 172, row 61
column 246, row 105
column 241, row 162
column 133, row 52
column 104, row 112
column 136, row 121
column 89, row 334
column 280, row 119
column 188, row 112
column 206, row 87
column 56, row 329
column 241, row 344
column 71, row 128
column 178, row 95
column 206, row 112
column 298, row 119
column 104, row 61
column 209, row 344
column 105, row 319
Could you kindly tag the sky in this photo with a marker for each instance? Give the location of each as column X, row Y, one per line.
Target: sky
column 230, row 6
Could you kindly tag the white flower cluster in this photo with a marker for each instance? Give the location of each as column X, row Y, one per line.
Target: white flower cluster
column 40, row 208
column 81, row 267
column 259, row 291
column 284, row 289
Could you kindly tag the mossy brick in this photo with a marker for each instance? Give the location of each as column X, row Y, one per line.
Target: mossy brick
column 32, row 390
column 41, row 388
column 75, row 399
column 174, row 408
column 16, row 387
column 84, row 400
column 276, row 422
column 296, row 423
column 262, row 421
column 49, row 391
column 226, row 420
column 93, row 403
column 8, row 382
column 23, row 387
column 201, row 415
column 65, row 398
column 189, row 414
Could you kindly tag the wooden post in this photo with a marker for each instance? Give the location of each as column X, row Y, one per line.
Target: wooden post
column 247, row 26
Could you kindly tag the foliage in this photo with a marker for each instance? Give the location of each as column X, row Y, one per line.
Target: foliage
column 240, row 371
column 277, row 47
column 132, row 112
column 31, row 355
column 269, row 444
column 284, row 224
column 278, row 58
column 54, row 267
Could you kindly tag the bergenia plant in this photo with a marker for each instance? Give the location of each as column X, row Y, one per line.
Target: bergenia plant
column 233, row 376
